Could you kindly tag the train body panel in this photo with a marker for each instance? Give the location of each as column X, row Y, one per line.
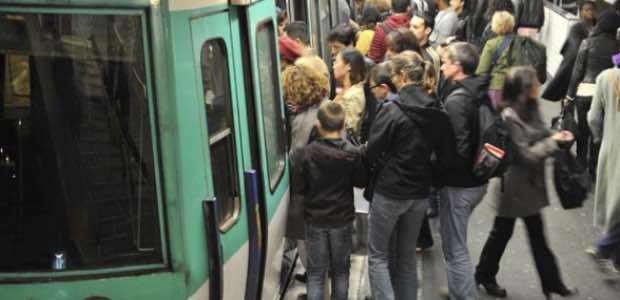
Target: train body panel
column 197, row 67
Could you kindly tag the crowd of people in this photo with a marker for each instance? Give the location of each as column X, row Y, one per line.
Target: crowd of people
column 399, row 113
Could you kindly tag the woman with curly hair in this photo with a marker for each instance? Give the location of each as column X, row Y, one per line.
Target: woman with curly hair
column 305, row 85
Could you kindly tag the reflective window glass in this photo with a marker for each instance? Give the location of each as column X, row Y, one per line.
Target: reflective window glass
column 273, row 119
column 218, row 104
column 77, row 170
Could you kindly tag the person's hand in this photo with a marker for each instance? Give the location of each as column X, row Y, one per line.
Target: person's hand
column 563, row 136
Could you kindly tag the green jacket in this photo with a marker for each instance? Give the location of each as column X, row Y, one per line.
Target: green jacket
column 500, row 70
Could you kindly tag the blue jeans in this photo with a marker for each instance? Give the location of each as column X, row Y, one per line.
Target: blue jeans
column 456, row 206
column 387, row 216
column 328, row 249
column 609, row 245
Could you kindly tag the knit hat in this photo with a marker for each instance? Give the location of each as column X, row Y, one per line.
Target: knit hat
column 290, row 50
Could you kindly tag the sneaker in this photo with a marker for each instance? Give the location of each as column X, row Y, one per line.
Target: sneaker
column 605, row 265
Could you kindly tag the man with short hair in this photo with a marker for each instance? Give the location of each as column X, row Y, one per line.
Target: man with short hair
column 298, row 31
column 446, row 21
column 461, row 191
column 399, row 19
column 422, row 27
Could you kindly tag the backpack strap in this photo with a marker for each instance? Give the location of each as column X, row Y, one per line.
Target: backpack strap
column 500, row 49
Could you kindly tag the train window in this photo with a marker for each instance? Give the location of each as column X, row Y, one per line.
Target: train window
column 273, row 118
column 218, row 106
column 77, row 172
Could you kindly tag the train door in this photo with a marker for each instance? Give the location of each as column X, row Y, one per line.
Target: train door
column 268, row 114
column 226, row 223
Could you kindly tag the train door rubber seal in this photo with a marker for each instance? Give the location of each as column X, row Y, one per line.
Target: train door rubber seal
column 214, row 248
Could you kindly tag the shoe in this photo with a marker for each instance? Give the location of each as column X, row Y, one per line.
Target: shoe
column 444, row 292
column 302, row 297
column 303, row 278
column 493, row 289
column 605, row 265
column 563, row 291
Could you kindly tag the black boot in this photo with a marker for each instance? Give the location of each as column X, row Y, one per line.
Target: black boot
column 492, row 288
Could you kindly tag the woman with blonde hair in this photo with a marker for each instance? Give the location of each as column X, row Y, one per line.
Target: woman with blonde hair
column 493, row 60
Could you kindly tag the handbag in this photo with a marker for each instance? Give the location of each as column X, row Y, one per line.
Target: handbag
column 571, row 179
column 565, row 121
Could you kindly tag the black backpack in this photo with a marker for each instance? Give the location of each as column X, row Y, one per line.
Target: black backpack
column 494, row 149
column 525, row 51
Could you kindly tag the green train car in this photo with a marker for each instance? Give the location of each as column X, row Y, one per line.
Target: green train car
column 143, row 152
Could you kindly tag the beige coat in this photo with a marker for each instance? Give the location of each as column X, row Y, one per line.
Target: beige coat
column 604, row 117
column 354, row 103
column 524, row 186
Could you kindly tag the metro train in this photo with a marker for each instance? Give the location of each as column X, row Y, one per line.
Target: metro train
column 143, row 148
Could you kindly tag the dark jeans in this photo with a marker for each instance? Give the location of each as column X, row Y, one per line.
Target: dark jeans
column 587, row 150
column 609, row 245
column 501, row 233
column 328, row 249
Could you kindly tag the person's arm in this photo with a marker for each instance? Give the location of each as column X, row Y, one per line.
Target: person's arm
column 298, row 178
column 531, row 153
column 579, row 69
column 381, row 134
column 456, row 108
column 484, row 65
column 597, row 110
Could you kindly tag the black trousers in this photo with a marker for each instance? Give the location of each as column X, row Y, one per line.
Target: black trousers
column 587, row 150
column 495, row 245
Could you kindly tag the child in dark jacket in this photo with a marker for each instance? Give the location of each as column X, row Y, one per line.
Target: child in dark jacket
column 327, row 169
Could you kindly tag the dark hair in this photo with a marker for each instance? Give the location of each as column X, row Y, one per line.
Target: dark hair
column 517, row 88
column 585, row 3
column 298, row 30
column 381, row 74
column 500, row 5
column 402, row 39
column 617, row 6
column 415, row 69
column 370, row 17
column 428, row 20
column 607, row 22
column 400, row 6
column 343, row 33
column 355, row 60
column 331, row 116
column 466, row 55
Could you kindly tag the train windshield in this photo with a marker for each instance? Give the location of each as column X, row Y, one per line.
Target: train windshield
column 77, row 172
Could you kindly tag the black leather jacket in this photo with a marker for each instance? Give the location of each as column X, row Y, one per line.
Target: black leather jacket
column 594, row 57
column 529, row 13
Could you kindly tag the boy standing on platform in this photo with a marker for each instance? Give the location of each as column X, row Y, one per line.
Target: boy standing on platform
column 327, row 170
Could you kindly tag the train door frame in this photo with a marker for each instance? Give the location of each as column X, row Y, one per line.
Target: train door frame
column 217, row 28
column 258, row 19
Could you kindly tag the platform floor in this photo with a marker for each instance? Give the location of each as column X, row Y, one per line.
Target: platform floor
column 570, row 232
